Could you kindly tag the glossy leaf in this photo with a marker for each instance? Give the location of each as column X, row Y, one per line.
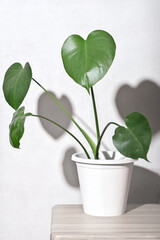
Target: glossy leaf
column 17, row 127
column 87, row 61
column 133, row 141
column 16, row 84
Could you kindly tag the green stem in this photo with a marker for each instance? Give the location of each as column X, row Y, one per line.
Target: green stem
column 99, row 142
column 95, row 114
column 39, row 116
column 89, row 140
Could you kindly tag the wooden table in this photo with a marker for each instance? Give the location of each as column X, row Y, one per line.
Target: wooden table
column 139, row 222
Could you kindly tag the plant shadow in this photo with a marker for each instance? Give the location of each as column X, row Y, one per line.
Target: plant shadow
column 145, row 184
column 48, row 108
column 70, row 169
column 144, row 99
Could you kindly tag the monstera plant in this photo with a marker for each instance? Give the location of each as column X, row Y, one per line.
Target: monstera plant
column 86, row 62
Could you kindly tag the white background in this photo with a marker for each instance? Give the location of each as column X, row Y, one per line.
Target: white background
column 40, row 175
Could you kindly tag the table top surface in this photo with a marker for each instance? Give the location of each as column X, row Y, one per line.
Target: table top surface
column 139, row 222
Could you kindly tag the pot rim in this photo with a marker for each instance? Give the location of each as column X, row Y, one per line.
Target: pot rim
column 120, row 159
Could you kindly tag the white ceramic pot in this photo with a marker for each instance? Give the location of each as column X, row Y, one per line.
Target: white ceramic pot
column 104, row 183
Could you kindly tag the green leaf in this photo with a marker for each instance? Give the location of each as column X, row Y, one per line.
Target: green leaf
column 17, row 127
column 134, row 141
column 87, row 61
column 16, row 84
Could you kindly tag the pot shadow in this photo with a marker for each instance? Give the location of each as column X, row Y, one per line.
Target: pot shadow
column 144, row 98
column 145, row 186
column 48, row 108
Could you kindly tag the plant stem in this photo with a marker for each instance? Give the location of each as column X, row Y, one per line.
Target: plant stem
column 95, row 114
column 89, row 140
column 99, row 142
column 39, row 116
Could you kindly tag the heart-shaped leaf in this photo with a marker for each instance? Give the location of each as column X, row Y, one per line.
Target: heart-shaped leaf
column 87, row 61
column 17, row 127
column 134, row 141
column 16, row 84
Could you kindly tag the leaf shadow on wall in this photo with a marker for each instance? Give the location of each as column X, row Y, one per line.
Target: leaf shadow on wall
column 145, row 98
column 48, row 108
column 69, row 168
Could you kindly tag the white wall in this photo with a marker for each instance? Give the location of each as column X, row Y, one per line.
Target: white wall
column 40, row 175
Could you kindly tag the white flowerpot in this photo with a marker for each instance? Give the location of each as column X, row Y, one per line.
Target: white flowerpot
column 104, row 183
